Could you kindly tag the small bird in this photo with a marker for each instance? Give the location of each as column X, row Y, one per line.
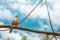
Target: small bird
column 14, row 23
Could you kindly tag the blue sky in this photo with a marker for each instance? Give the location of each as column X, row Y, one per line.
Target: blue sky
column 38, row 20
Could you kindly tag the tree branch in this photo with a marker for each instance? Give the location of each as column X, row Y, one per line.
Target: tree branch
column 31, row 30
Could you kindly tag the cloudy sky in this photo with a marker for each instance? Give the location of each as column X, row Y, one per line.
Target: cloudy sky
column 38, row 20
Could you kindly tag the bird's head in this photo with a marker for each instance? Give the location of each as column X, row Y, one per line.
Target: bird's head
column 16, row 16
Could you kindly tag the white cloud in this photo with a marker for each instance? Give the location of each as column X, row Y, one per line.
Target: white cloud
column 15, row 36
column 25, row 8
column 6, row 14
column 24, row 1
column 38, row 12
column 30, row 35
column 14, row 6
column 55, row 13
column 45, row 28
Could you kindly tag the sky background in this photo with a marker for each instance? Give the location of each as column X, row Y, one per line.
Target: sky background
column 38, row 20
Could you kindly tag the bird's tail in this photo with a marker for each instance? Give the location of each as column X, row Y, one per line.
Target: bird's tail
column 11, row 29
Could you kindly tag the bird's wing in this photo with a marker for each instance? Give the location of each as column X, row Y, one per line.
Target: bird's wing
column 13, row 22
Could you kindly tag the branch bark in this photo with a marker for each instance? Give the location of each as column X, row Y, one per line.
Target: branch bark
column 30, row 30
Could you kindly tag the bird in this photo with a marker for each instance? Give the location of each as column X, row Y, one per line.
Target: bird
column 14, row 23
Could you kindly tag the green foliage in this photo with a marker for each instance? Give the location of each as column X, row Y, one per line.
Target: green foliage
column 46, row 37
column 8, row 38
column 24, row 38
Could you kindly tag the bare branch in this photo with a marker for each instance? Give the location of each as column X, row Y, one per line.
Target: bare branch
column 30, row 30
